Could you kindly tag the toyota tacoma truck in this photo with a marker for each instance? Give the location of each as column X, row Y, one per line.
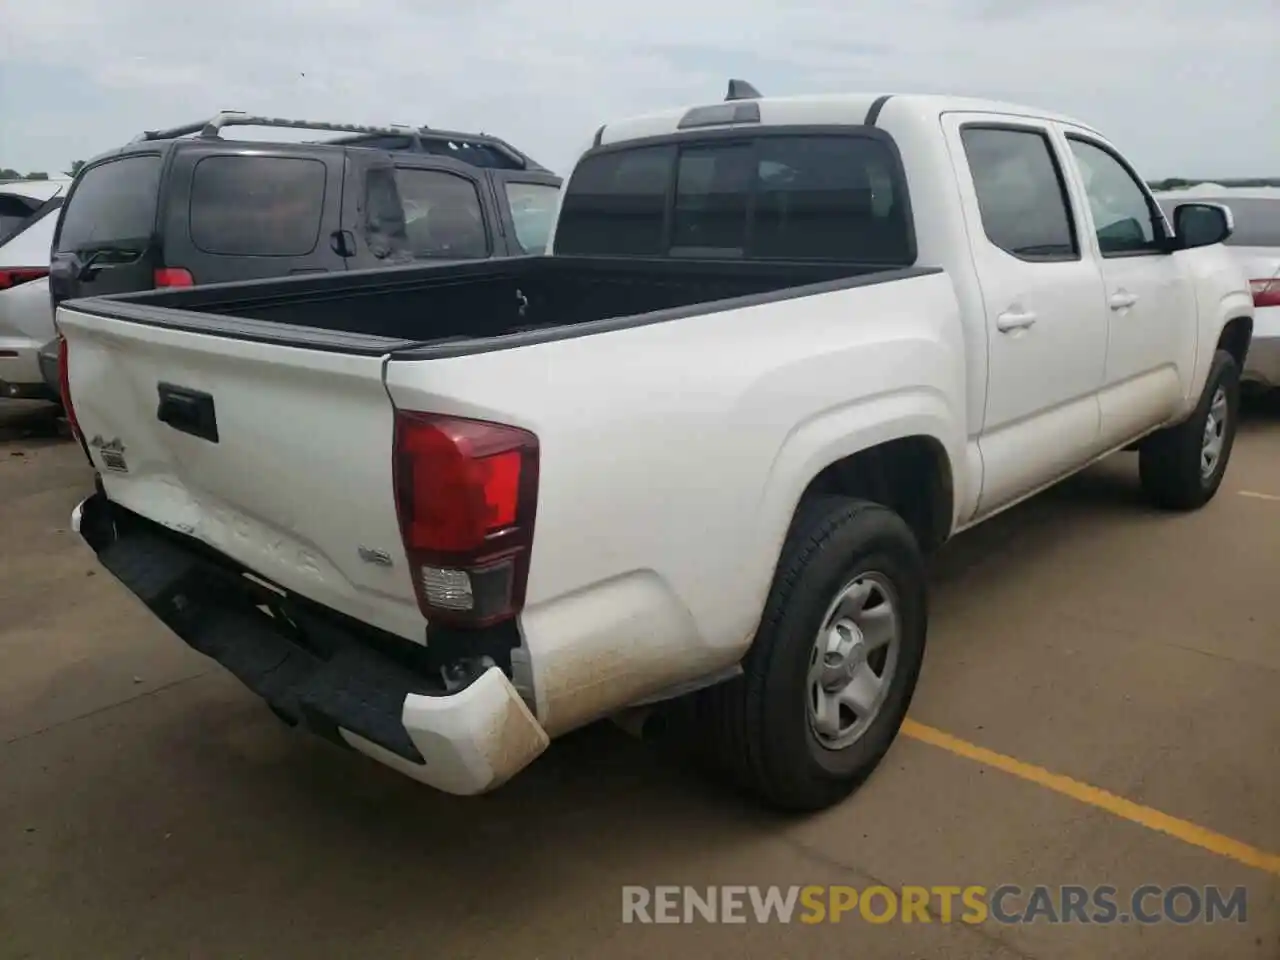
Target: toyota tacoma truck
column 778, row 351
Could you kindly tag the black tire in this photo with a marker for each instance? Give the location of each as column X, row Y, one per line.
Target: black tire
column 1169, row 462
column 757, row 725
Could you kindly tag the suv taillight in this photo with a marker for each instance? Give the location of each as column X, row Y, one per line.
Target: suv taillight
column 14, row 276
column 64, row 385
column 1266, row 293
column 466, row 492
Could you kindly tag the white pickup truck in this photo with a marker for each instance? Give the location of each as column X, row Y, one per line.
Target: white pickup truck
column 782, row 349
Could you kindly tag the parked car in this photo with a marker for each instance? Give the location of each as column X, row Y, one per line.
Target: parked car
column 1256, row 242
column 187, row 206
column 781, row 349
column 27, row 218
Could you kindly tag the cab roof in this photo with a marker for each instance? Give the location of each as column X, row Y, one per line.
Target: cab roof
column 832, row 109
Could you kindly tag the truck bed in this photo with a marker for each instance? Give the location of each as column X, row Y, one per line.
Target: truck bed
column 376, row 311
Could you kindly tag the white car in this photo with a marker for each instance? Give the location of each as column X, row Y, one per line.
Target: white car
column 780, row 350
column 1256, row 241
column 28, row 216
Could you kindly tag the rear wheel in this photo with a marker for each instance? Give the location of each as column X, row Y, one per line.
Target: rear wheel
column 834, row 664
column 1182, row 467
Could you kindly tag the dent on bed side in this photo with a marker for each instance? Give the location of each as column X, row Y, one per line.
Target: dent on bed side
column 614, row 644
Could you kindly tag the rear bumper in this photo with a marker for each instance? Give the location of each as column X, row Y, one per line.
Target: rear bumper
column 317, row 669
column 20, row 375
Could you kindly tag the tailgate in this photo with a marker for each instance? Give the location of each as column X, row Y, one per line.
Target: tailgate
column 279, row 457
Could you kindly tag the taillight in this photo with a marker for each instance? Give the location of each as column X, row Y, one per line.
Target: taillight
column 173, row 277
column 466, row 492
column 14, row 276
column 1266, row 293
column 64, row 385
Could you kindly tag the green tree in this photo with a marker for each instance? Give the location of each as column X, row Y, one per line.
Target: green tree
column 75, row 168
column 41, row 175
column 8, row 173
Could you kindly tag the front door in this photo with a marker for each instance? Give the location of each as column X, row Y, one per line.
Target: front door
column 1043, row 298
column 1151, row 306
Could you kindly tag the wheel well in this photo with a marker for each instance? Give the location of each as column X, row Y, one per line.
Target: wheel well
column 1235, row 338
column 911, row 476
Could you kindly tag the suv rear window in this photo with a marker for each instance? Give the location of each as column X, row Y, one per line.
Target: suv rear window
column 776, row 197
column 248, row 206
column 113, row 205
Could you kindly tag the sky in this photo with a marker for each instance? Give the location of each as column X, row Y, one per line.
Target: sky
column 1183, row 87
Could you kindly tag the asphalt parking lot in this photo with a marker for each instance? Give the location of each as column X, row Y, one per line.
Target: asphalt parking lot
column 150, row 807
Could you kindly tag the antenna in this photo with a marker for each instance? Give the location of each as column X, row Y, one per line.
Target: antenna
column 741, row 90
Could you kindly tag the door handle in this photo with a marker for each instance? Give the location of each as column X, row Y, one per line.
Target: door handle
column 1122, row 300
column 1015, row 320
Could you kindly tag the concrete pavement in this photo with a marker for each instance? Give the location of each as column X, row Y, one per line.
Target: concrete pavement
column 150, row 807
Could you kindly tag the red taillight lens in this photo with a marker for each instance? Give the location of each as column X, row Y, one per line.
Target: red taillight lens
column 466, row 493
column 64, row 385
column 1266, row 293
column 14, row 276
column 173, row 277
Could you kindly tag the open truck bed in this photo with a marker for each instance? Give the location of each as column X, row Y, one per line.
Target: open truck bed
column 521, row 300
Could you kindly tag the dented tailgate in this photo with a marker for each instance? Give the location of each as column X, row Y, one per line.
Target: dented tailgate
column 276, row 455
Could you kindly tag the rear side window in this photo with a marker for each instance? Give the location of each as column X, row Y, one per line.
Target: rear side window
column 257, row 206
column 442, row 214
column 113, row 206
column 1021, row 193
column 533, row 207
column 777, row 197
column 14, row 212
column 1257, row 221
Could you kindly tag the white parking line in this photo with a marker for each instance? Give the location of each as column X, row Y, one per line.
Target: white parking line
column 1259, row 496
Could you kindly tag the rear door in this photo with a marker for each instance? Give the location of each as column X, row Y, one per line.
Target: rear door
column 527, row 203
column 1043, row 297
column 253, row 213
column 415, row 207
column 105, row 241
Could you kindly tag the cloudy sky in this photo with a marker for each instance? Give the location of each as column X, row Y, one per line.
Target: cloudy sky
column 1186, row 87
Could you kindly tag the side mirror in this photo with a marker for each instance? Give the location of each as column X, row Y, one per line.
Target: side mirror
column 1201, row 224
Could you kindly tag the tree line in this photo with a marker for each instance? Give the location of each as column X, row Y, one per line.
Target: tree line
column 8, row 173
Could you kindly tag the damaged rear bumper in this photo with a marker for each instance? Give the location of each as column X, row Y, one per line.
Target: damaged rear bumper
column 317, row 669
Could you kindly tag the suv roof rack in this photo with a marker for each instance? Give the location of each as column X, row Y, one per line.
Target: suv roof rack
column 211, row 130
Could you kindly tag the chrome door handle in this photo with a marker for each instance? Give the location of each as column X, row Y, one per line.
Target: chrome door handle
column 1015, row 320
column 1122, row 300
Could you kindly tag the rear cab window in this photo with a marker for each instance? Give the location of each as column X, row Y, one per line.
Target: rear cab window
column 112, row 209
column 256, row 206
column 771, row 195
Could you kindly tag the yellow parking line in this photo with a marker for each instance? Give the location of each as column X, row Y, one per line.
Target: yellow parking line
column 1183, row 830
column 1258, row 496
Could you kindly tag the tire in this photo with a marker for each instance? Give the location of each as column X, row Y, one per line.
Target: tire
column 1171, row 463
column 760, row 727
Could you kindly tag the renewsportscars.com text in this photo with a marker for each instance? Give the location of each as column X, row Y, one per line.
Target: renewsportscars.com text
column 1006, row 904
